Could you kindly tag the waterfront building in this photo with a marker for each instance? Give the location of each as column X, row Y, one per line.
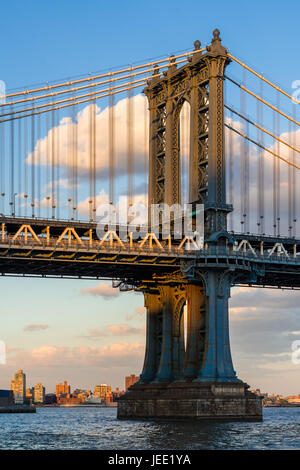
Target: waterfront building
column 39, row 393
column 29, row 393
column 63, row 389
column 18, row 386
column 131, row 380
column 293, row 399
column 117, row 393
column 104, row 392
column 50, row 399
column 6, row 398
column 68, row 400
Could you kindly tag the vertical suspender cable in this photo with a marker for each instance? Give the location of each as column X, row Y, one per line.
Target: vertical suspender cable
column 129, row 145
column 278, row 167
column 25, row 166
column 47, row 123
column 230, row 151
column 146, row 150
column 32, row 165
column 12, row 168
column 274, row 181
column 290, row 220
column 90, row 159
column 75, row 178
column 111, row 146
column 39, row 167
column 261, row 166
column 2, row 167
column 53, row 164
column 57, row 160
column 70, row 163
column 94, row 159
column 294, row 186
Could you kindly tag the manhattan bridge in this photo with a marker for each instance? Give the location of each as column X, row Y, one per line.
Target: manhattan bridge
column 200, row 127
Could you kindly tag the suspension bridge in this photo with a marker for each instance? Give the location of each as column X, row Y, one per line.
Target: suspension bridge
column 197, row 127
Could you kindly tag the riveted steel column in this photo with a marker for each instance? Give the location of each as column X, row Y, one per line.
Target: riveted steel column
column 195, row 322
column 165, row 370
column 172, row 179
column 217, row 363
column 178, row 338
column 225, row 370
column 153, row 305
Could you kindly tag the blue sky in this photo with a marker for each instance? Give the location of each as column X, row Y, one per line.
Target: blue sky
column 45, row 41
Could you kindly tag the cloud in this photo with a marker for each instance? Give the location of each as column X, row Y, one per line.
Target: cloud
column 114, row 355
column 103, row 290
column 36, row 327
column 70, row 130
column 115, row 330
column 139, row 312
column 121, row 206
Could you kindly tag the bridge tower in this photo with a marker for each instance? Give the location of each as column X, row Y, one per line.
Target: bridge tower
column 196, row 381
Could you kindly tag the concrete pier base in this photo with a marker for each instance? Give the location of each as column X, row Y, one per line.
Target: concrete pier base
column 182, row 401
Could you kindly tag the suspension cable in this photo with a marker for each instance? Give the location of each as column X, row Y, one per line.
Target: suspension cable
column 261, row 146
column 73, row 90
column 263, row 78
column 96, row 96
column 263, row 101
column 95, row 77
column 261, row 128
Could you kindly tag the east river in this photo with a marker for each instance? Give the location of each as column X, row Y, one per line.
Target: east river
column 98, row 428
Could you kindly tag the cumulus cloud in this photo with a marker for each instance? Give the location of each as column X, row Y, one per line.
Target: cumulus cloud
column 68, row 129
column 103, row 290
column 114, row 355
column 35, row 327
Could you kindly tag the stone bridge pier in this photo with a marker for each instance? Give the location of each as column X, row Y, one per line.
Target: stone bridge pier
column 188, row 370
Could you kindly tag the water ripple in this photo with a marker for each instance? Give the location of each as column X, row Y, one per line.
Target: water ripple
column 98, row 428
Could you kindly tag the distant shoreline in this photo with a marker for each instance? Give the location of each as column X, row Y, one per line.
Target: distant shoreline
column 283, row 406
column 83, row 405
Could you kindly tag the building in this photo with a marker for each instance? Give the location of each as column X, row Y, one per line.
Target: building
column 293, row 399
column 6, row 398
column 104, row 392
column 39, row 393
column 131, row 380
column 29, row 393
column 84, row 395
column 50, row 399
column 117, row 393
column 18, row 386
column 63, row 389
column 68, row 400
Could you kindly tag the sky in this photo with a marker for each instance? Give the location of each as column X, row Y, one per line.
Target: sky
column 85, row 331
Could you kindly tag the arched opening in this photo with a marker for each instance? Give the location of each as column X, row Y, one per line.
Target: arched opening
column 184, row 150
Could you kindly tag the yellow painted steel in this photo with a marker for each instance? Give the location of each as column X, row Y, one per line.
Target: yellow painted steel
column 263, row 78
column 110, row 74
column 69, row 231
column 25, row 228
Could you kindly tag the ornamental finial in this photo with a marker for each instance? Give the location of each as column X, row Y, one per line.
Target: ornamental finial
column 197, row 45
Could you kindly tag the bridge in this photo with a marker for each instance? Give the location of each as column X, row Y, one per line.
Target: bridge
column 70, row 148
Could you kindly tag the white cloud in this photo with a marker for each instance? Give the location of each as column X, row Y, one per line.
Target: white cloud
column 35, row 327
column 80, row 128
column 115, row 355
column 103, row 290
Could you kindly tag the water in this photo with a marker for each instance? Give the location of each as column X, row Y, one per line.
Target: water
column 98, row 428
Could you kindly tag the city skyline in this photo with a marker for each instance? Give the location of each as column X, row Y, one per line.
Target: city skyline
column 84, row 329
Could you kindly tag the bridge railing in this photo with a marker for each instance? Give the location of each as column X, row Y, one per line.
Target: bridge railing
column 163, row 249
